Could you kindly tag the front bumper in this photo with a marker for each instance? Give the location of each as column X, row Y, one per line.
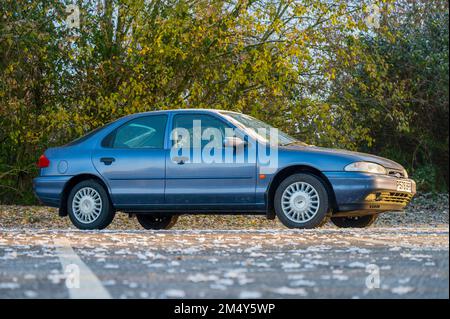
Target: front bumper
column 369, row 192
column 48, row 189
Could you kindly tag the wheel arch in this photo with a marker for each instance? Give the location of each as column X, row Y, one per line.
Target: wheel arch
column 295, row 169
column 71, row 184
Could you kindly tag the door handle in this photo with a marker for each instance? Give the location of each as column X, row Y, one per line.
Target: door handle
column 107, row 160
column 180, row 160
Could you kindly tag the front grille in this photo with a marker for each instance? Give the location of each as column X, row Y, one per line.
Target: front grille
column 396, row 173
column 390, row 198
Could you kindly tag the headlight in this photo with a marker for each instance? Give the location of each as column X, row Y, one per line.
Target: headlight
column 366, row 167
column 405, row 173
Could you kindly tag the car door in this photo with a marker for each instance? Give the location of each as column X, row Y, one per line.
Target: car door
column 132, row 161
column 195, row 184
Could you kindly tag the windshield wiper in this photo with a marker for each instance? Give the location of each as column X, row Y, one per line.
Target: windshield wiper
column 295, row 142
column 289, row 143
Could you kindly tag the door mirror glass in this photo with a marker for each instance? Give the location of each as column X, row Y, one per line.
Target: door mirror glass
column 234, row 141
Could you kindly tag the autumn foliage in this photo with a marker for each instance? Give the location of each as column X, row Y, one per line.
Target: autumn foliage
column 318, row 69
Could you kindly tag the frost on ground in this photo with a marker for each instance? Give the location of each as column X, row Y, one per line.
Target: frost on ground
column 324, row 263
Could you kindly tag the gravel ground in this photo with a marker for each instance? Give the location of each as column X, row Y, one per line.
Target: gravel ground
column 425, row 210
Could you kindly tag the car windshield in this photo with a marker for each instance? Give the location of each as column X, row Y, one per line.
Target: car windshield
column 84, row 137
column 260, row 128
column 88, row 135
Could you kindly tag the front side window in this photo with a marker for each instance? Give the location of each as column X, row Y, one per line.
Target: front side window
column 143, row 132
column 201, row 130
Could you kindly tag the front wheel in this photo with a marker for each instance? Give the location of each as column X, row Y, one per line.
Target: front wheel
column 149, row 221
column 301, row 201
column 354, row 222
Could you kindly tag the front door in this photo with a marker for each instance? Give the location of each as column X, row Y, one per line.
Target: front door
column 193, row 183
column 132, row 161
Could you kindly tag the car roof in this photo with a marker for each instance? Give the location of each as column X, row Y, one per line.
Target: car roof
column 190, row 110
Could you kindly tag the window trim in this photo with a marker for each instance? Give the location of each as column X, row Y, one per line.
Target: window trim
column 113, row 133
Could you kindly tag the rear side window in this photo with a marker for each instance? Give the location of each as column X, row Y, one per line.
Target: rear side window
column 143, row 132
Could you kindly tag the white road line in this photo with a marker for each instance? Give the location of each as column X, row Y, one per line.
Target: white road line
column 90, row 286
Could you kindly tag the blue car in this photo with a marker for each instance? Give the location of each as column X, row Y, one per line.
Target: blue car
column 159, row 165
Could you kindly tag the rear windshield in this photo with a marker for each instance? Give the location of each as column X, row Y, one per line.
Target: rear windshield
column 87, row 136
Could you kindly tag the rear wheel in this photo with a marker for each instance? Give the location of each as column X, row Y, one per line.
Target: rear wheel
column 354, row 222
column 149, row 221
column 89, row 206
column 301, row 201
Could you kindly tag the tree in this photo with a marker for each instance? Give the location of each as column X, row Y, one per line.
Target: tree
column 400, row 89
column 312, row 68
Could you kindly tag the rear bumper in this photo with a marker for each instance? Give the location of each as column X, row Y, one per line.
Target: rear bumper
column 48, row 189
column 368, row 192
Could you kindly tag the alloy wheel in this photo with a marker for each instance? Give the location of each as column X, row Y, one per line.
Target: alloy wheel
column 300, row 202
column 86, row 205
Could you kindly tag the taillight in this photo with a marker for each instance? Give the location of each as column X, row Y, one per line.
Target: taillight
column 43, row 161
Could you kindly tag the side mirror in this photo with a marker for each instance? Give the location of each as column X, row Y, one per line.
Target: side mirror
column 234, row 142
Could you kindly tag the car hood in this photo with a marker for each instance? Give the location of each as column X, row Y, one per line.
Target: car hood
column 356, row 156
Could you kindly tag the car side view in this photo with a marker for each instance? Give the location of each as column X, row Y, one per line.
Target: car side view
column 159, row 165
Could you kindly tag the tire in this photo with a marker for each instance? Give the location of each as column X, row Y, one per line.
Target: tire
column 306, row 206
column 354, row 222
column 149, row 221
column 82, row 198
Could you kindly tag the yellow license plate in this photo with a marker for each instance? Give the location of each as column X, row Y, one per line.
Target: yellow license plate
column 404, row 186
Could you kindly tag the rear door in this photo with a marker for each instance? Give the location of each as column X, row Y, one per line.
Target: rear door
column 132, row 161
